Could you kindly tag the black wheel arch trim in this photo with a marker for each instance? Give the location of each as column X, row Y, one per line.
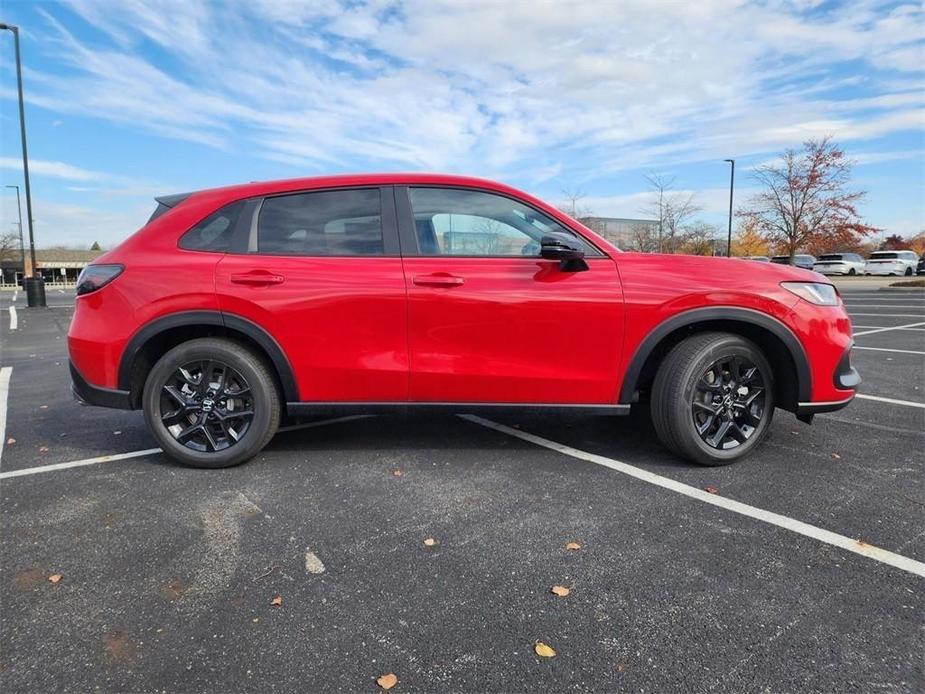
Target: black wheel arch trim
column 727, row 313
column 217, row 318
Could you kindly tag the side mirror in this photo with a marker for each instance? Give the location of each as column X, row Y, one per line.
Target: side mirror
column 559, row 247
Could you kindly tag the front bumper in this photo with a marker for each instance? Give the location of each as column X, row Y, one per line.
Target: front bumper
column 846, row 377
column 89, row 394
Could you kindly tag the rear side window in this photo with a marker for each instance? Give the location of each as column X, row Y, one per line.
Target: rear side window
column 215, row 232
column 322, row 223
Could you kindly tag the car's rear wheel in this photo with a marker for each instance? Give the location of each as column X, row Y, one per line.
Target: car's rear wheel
column 713, row 398
column 211, row 403
column 851, row 272
column 908, row 272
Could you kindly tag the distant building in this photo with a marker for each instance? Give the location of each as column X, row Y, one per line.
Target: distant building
column 620, row 230
column 57, row 265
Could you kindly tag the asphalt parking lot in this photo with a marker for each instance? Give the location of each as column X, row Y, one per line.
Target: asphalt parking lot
column 813, row 581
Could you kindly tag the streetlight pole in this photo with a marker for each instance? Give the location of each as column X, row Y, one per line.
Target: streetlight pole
column 34, row 286
column 732, row 176
column 22, row 247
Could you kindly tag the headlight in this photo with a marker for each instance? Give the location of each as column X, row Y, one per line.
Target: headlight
column 813, row 292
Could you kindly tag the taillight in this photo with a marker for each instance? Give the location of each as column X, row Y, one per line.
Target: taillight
column 95, row 277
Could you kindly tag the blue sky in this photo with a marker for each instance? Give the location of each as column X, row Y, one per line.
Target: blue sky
column 130, row 99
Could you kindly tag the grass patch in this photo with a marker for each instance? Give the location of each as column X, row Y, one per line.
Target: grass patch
column 909, row 283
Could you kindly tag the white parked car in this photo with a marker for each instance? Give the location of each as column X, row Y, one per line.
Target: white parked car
column 891, row 263
column 840, row 264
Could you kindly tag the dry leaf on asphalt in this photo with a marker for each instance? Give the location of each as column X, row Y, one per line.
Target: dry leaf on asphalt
column 397, row 473
column 277, row 601
column 430, row 542
column 43, row 449
column 10, row 441
column 387, row 681
column 543, row 651
column 836, row 456
column 55, row 578
column 573, row 546
column 43, row 407
column 712, row 490
column 561, row 591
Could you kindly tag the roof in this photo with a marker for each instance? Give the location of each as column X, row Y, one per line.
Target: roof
column 67, row 255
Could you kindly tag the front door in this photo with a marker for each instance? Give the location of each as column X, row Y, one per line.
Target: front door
column 491, row 321
column 322, row 274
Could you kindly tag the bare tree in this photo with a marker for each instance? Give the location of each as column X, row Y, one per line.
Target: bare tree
column 643, row 238
column 805, row 201
column 572, row 205
column 671, row 208
column 9, row 246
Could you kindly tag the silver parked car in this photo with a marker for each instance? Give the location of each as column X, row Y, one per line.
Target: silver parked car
column 840, row 264
column 891, row 263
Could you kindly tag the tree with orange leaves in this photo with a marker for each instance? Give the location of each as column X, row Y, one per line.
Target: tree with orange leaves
column 748, row 240
column 805, row 200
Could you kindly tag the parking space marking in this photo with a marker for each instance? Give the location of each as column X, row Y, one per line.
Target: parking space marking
column 887, row 349
column 907, row 306
column 5, row 374
column 883, row 330
column 827, row 536
column 14, row 319
column 862, row 327
column 892, row 401
column 132, row 454
column 15, row 294
column 78, row 463
column 889, row 315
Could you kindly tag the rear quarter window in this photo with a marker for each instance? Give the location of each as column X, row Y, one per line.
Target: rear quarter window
column 214, row 233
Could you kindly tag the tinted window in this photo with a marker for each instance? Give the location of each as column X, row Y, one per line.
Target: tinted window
column 334, row 222
column 833, row 256
column 214, row 233
column 472, row 223
column 884, row 256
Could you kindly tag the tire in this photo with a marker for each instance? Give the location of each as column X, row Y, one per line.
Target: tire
column 682, row 378
column 851, row 272
column 217, row 423
column 908, row 272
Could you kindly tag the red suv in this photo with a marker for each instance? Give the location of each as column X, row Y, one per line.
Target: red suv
column 232, row 308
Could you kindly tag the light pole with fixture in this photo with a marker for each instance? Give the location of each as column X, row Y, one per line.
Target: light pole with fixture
column 732, row 176
column 34, row 285
column 22, row 247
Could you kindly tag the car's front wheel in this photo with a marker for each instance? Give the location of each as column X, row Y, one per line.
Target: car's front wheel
column 713, row 398
column 211, row 403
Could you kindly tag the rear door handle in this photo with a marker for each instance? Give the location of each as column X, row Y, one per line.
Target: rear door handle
column 257, row 278
column 437, row 280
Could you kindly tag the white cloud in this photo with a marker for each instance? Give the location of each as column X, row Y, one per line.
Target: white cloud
column 56, row 169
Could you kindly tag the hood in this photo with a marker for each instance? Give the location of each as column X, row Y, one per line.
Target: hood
column 707, row 272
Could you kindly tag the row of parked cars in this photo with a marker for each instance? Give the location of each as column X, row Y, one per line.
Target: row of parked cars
column 879, row 263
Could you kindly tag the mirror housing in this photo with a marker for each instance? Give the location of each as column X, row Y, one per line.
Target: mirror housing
column 555, row 246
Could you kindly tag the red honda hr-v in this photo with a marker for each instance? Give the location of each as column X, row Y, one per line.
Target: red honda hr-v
column 234, row 307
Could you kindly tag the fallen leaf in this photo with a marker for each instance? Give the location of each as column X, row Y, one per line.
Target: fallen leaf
column 10, row 441
column 430, row 542
column 43, row 449
column 277, row 601
column 397, row 473
column 55, row 578
column 561, row 591
column 117, row 432
column 836, row 456
column 543, row 651
column 862, row 544
column 795, row 433
column 387, row 681
column 573, row 546
column 255, row 620
column 43, row 407
column 712, row 490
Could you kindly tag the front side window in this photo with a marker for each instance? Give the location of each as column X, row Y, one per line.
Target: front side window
column 215, row 232
column 452, row 221
column 322, row 223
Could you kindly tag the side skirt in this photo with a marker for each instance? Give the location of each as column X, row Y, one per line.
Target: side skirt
column 315, row 409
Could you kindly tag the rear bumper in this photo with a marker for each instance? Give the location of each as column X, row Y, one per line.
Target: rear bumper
column 89, row 394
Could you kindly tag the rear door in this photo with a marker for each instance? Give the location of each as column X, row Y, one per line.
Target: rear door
column 321, row 272
column 489, row 320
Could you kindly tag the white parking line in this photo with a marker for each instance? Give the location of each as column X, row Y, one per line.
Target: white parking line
column 5, row 373
column 121, row 456
column 889, row 315
column 892, row 401
column 15, row 294
column 849, row 305
column 883, row 330
column 857, row 546
column 862, row 327
column 886, row 349
column 14, row 319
